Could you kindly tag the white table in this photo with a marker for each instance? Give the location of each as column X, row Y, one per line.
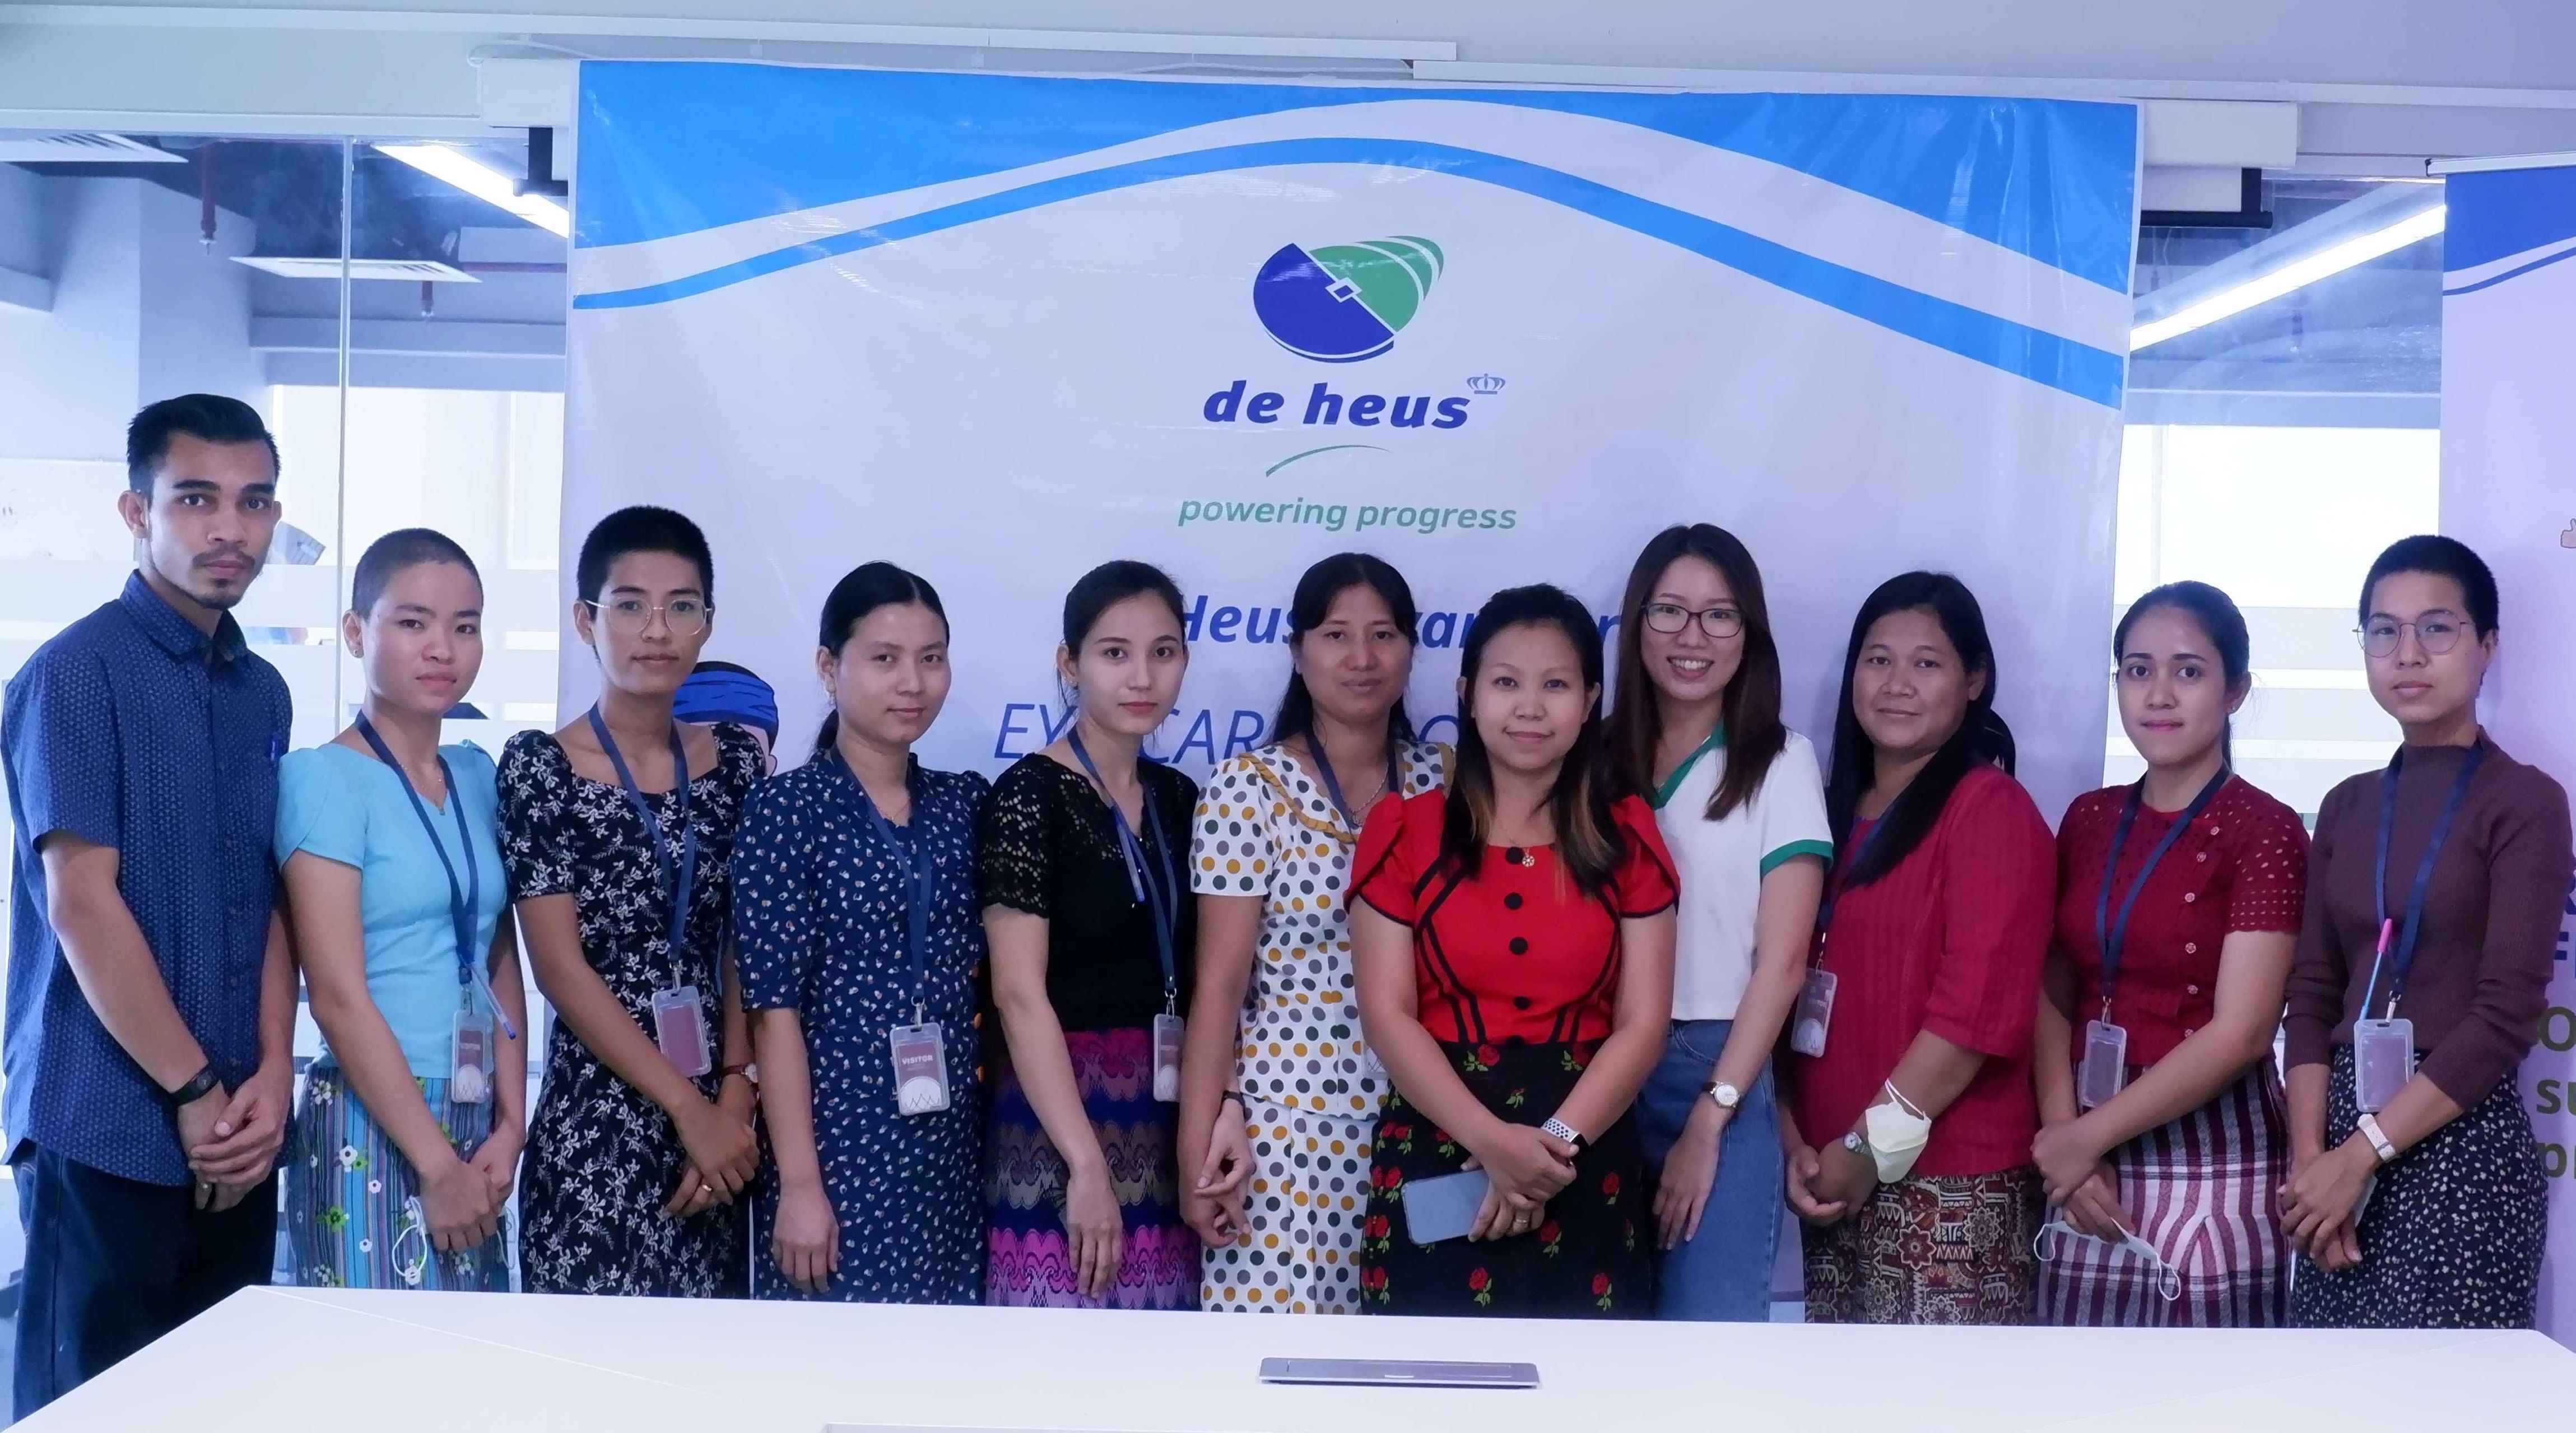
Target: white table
column 317, row 1362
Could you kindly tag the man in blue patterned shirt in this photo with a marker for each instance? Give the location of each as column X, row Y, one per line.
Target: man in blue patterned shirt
column 151, row 996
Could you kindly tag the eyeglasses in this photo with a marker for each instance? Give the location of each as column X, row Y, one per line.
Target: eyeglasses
column 629, row 616
column 1668, row 619
column 2434, row 634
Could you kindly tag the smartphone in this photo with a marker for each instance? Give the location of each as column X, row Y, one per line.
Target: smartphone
column 1401, row 1372
column 1444, row 1207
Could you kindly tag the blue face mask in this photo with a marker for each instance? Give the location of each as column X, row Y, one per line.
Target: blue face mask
column 2168, row 1278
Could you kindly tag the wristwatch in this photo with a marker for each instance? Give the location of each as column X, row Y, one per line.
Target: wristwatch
column 1566, row 1132
column 1726, row 1095
column 2370, row 1130
column 750, row 1073
column 1855, row 1143
column 198, row 1087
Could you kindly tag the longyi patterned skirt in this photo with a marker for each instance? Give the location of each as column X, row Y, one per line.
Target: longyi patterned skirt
column 1024, row 1185
column 1931, row 1251
column 352, row 1214
column 1594, row 1255
column 2204, row 1190
column 2455, row 1229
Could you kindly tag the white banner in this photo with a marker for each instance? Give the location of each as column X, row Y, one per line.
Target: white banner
column 2508, row 438
column 1000, row 329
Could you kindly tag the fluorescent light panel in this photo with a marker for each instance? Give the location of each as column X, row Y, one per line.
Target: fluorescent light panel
column 2293, row 276
column 483, row 182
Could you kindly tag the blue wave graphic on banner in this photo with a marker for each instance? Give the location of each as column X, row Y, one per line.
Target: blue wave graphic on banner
column 2036, row 354
column 674, row 147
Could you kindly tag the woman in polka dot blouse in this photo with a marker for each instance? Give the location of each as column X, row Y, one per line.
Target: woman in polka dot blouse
column 1280, row 1091
column 2187, row 1150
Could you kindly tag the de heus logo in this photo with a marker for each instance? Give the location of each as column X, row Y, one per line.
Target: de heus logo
column 1339, row 304
column 1344, row 302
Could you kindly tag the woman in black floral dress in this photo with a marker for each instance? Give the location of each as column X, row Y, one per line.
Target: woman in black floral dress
column 637, row 1157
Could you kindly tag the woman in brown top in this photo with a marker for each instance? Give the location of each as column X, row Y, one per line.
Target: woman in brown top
column 2428, row 1208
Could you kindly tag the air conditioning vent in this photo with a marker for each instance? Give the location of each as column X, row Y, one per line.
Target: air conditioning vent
column 73, row 147
column 418, row 271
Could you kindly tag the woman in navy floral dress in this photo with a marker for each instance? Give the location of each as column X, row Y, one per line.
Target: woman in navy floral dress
column 876, row 1197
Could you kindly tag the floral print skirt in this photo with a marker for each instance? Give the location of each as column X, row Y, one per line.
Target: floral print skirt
column 1593, row 1256
column 352, row 1201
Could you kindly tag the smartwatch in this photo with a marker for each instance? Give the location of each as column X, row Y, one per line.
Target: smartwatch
column 1726, row 1095
column 198, row 1087
column 2370, row 1130
column 1566, row 1132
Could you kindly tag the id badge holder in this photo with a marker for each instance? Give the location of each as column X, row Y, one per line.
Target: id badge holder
column 1167, row 1058
column 2106, row 1063
column 680, row 1028
column 2383, row 1060
column 469, row 1058
column 920, row 1068
column 1815, row 1014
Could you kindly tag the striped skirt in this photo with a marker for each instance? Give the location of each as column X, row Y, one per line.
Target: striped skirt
column 2203, row 1190
column 353, row 1202
column 1024, row 1185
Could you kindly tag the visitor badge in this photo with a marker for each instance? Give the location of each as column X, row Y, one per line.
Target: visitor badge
column 2106, row 1063
column 1815, row 1014
column 680, row 1028
column 2383, row 1060
column 1167, row 1058
column 920, row 1068
column 469, row 1057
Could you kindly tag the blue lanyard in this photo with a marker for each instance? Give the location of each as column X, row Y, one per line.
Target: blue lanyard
column 922, row 888
column 464, row 902
column 1333, row 785
column 1834, row 896
column 678, row 886
column 1161, row 899
column 2112, row 937
column 2423, row 870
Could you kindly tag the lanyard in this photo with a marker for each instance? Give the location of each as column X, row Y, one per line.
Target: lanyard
column 1333, row 785
column 2423, row 871
column 463, row 902
column 1673, row 783
column 1161, row 899
column 677, row 885
column 2110, row 936
column 1834, row 896
column 920, row 890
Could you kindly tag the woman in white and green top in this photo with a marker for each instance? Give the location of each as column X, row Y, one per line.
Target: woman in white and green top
column 1280, row 1093
column 1741, row 805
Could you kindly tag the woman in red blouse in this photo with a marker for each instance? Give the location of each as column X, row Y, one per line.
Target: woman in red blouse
column 1913, row 1033
column 2163, row 1149
column 1514, row 945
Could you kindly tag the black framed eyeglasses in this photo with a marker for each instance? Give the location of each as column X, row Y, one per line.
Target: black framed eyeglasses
column 1669, row 618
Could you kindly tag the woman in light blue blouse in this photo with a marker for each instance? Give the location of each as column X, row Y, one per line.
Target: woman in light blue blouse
column 858, row 933
column 409, row 1132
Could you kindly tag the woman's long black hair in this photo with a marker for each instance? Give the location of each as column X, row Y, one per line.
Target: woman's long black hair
column 1982, row 735
column 1588, row 842
column 862, row 590
column 1323, row 582
column 1750, row 709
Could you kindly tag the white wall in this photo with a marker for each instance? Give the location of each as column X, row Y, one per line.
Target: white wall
column 116, row 250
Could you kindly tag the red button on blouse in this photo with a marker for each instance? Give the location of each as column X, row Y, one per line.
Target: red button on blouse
column 1514, row 954
column 2243, row 865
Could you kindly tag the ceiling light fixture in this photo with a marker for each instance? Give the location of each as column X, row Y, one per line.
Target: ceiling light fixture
column 2288, row 278
column 483, row 182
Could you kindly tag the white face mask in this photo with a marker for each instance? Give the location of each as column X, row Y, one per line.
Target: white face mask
column 2168, row 1278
